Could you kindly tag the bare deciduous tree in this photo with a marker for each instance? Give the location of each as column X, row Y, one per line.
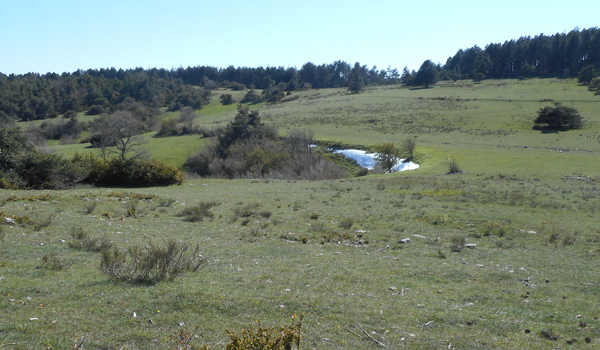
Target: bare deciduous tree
column 408, row 148
column 118, row 133
column 187, row 117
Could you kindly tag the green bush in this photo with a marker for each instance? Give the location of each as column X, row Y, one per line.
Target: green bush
column 89, row 208
column 558, row 117
column 48, row 171
column 151, row 264
column 226, row 99
column 346, row 223
column 169, row 128
column 134, row 172
column 457, row 243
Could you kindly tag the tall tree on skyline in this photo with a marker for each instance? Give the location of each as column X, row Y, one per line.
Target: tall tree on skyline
column 356, row 82
column 427, row 74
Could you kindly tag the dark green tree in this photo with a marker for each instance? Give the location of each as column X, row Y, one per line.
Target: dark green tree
column 7, row 121
column 226, row 99
column 13, row 146
column 587, row 74
column 559, row 117
column 406, row 77
column 244, row 126
column 481, row 66
column 251, row 96
column 355, row 81
column 427, row 74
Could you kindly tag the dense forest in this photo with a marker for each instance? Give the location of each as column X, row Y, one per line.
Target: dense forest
column 142, row 91
column 557, row 55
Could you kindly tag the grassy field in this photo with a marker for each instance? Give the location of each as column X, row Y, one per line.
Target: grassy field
column 330, row 250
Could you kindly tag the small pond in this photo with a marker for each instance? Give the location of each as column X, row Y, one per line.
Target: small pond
column 367, row 160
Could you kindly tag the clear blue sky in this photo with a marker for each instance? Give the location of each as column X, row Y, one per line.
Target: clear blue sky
column 65, row 35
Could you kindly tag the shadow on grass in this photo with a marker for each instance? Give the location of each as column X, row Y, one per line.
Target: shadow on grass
column 420, row 88
column 550, row 130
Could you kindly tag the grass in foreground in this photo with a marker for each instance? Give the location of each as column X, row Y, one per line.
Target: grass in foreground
column 531, row 273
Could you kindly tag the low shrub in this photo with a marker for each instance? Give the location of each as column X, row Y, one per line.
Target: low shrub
column 77, row 232
column 166, row 202
column 131, row 209
column 22, row 220
column 362, row 171
column 134, row 172
column 452, row 165
column 568, row 239
column 265, row 214
column 493, row 229
column 89, row 208
column 53, row 262
column 244, row 211
column 82, row 240
column 346, row 223
column 457, row 243
column 288, row 337
column 198, row 212
column 48, row 171
column 151, row 264
column 43, row 223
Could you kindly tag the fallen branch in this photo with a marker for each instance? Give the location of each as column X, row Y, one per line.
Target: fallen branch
column 80, row 346
column 425, row 324
column 371, row 338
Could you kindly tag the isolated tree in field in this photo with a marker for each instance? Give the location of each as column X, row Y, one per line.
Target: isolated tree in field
column 427, row 74
column 251, row 96
column 187, row 117
column 118, row 133
column 408, row 148
column 226, row 99
column 355, row 81
column 387, row 156
column 559, row 117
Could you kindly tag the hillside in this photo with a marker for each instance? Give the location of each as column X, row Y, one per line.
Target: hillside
column 331, row 250
column 487, row 126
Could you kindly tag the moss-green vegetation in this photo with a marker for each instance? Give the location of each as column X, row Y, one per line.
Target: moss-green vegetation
column 330, row 250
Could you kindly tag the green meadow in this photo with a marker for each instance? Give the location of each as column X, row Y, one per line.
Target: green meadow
column 502, row 256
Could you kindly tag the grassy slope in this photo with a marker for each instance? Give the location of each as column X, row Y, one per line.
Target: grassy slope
column 482, row 298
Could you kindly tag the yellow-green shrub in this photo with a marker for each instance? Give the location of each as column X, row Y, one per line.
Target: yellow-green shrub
column 134, row 172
